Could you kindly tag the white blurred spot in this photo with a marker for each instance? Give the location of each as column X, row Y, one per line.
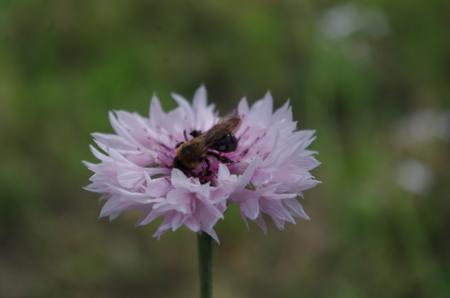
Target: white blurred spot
column 344, row 20
column 422, row 127
column 414, row 176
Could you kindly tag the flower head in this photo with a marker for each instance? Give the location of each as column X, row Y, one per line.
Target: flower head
column 265, row 174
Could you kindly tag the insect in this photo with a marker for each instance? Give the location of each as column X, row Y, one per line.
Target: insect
column 219, row 139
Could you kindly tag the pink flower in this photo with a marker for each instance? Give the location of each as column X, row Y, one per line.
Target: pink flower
column 270, row 168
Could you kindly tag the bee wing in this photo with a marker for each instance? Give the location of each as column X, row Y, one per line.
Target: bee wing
column 231, row 122
column 213, row 135
column 226, row 126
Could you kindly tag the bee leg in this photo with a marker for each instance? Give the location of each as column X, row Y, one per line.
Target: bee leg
column 207, row 172
column 179, row 144
column 219, row 157
column 185, row 135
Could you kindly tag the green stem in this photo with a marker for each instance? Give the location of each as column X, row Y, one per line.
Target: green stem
column 205, row 250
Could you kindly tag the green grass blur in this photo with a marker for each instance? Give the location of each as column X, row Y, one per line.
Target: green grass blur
column 372, row 77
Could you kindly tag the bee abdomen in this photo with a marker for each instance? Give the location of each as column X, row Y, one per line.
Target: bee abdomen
column 227, row 143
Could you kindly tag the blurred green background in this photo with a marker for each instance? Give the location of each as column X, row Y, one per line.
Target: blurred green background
column 372, row 77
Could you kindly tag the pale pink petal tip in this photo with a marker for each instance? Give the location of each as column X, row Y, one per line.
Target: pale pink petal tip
column 269, row 169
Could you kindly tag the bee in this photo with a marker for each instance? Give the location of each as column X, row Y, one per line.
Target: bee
column 219, row 139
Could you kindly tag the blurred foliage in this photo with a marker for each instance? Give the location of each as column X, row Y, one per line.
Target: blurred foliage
column 356, row 72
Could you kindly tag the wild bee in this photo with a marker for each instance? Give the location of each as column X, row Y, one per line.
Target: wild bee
column 219, row 139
